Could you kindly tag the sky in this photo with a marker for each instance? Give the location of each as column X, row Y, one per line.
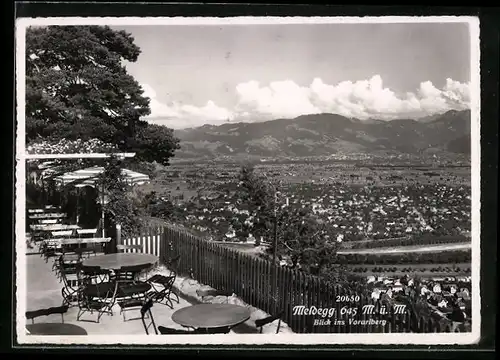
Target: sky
column 196, row 75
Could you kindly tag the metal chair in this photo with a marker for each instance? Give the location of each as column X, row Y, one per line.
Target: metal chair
column 261, row 322
column 131, row 292
column 213, row 293
column 170, row 331
column 146, row 313
column 95, row 294
column 161, row 287
column 31, row 315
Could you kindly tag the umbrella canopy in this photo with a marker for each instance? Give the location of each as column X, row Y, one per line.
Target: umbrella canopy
column 90, row 177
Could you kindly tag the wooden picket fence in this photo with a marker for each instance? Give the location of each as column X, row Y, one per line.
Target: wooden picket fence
column 251, row 279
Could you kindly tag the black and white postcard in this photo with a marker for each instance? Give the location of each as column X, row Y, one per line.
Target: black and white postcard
column 248, row 180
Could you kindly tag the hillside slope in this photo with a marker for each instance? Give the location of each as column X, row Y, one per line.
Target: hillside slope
column 327, row 134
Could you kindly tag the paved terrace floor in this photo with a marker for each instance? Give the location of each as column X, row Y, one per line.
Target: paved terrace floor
column 44, row 290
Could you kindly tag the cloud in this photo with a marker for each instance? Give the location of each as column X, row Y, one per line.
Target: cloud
column 361, row 99
column 177, row 115
column 279, row 99
column 285, row 99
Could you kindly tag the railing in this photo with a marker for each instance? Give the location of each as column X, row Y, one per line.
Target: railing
column 151, row 242
column 250, row 278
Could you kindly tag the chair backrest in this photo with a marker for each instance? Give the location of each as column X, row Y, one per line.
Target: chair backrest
column 31, row 315
column 91, row 274
column 213, row 292
column 146, row 309
column 219, row 330
column 169, row 331
column 128, row 273
column 261, row 322
column 71, row 284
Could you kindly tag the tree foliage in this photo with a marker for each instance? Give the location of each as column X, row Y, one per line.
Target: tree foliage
column 258, row 198
column 120, row 208
column 301, row 237
column 77, row 87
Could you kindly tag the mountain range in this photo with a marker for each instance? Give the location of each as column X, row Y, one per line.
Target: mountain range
column 328, row 134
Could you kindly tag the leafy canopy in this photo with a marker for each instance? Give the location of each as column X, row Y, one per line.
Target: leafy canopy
column 301, row 237
column 77, row 87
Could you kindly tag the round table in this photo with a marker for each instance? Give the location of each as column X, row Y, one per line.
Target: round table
column 55, row 329
column 116, row 261
column 209, row 316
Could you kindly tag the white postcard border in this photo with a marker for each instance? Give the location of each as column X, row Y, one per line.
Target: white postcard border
column 291, row 339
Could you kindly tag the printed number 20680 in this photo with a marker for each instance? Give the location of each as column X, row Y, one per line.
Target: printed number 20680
column 347, row 298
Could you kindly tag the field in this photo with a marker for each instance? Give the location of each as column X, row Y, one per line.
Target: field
column 377, row 209
column 408, row 249
column 423, row 270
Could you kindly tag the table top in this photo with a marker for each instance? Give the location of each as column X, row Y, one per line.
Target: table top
column 47, row 216
column 54, row 227
column 116, row 261
column 208, row 316
column 73, row 241
column 55, row 329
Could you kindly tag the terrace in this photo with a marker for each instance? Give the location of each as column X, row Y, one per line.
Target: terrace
column 44, row 291
column 81, row 282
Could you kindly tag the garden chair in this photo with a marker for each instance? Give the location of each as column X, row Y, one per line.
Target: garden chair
column 262, row 322
column 31, row 315
column 159, row 279
column 219, row 330
column 146, row 313
column 67, row 263
column 50, row 248
column 172, row 265
column 130, row 274
column 161, row 287
column 70, row 290
column 213, row 293
column 95, row 294
column 131, row 292
column 170, row 331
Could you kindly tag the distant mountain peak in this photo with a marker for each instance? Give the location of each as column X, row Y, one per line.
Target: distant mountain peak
column 326, row 134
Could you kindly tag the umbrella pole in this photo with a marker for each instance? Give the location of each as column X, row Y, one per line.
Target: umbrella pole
column 102, row 209
column 77, row 205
